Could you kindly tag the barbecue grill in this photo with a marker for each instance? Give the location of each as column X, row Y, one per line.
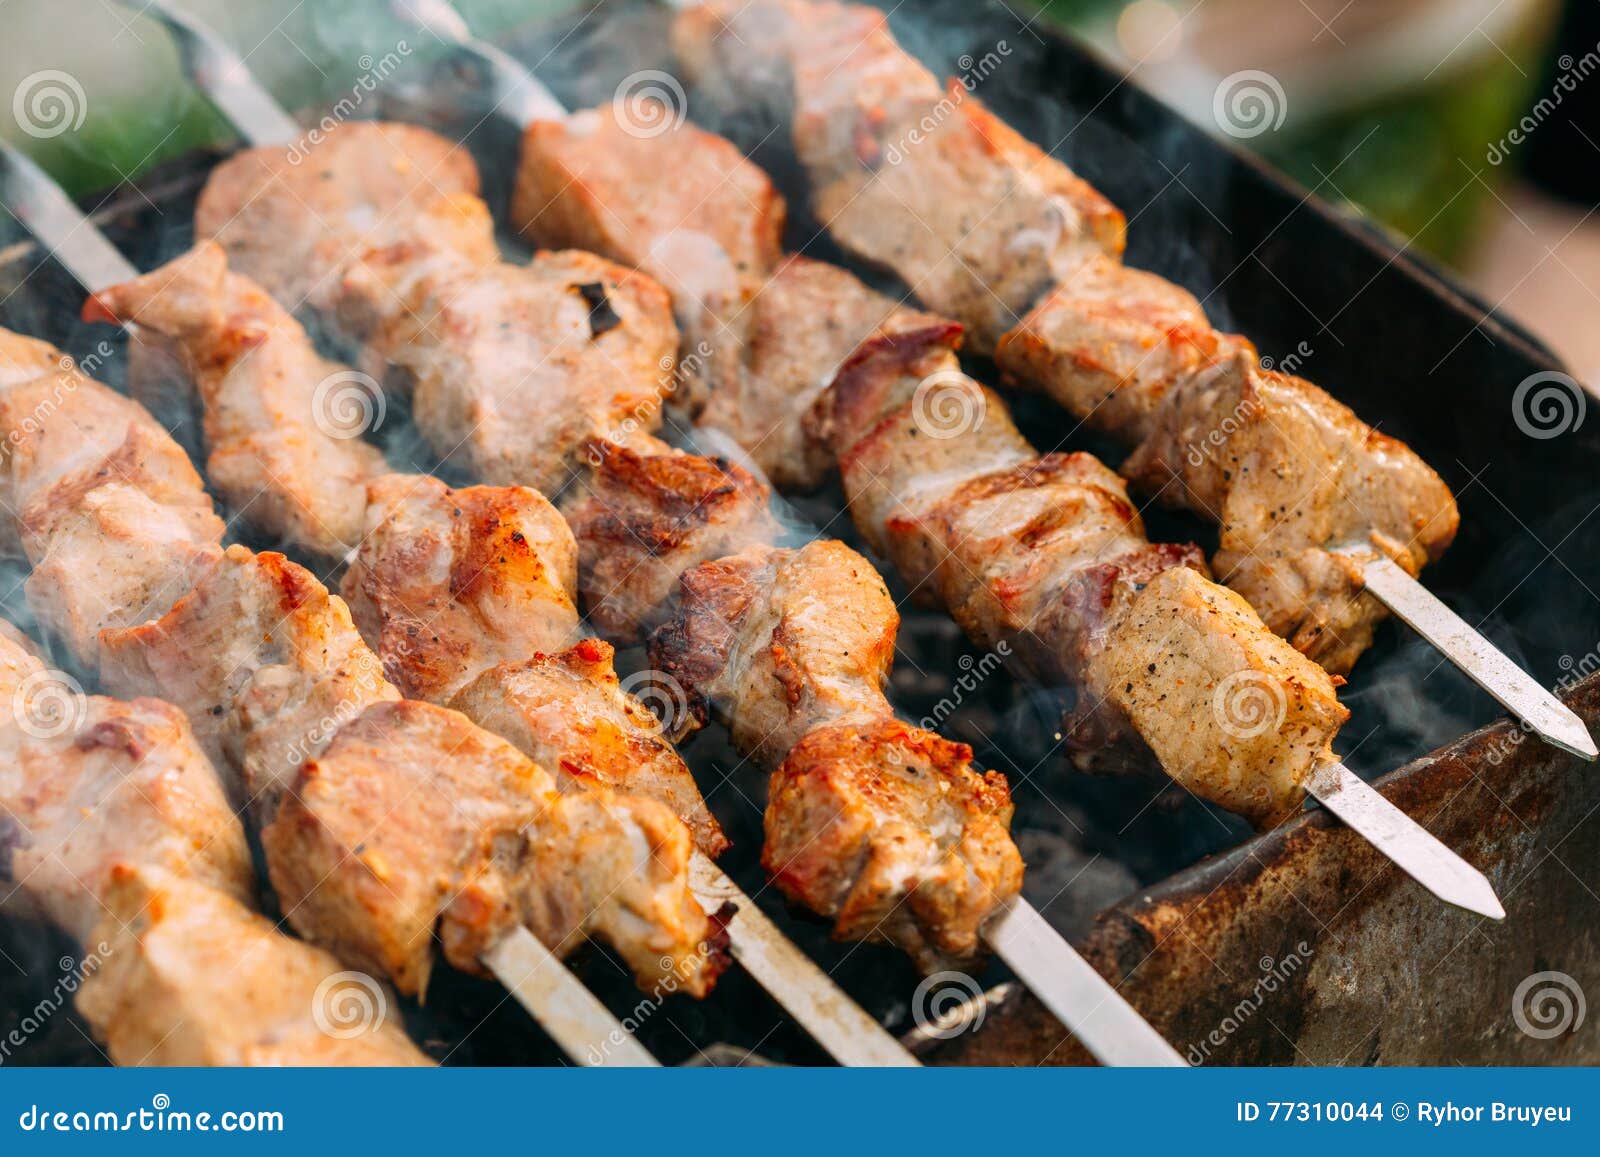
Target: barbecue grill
column 1363, row 967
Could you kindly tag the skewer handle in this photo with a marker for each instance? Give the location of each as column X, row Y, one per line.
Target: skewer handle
column 1483, row 662
column 817, row 1004
column 1079, row 997
column 224, row 77
column 564, row 1008
column 517, row 93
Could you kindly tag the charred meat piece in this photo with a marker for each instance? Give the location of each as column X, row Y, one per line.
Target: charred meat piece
column 512, row 379
column 193, row 977
column 416, row 822
column 293, row 219
column 643, row 517
column 283, row 425
column 888, row 830
column 1048, row 555
column 467, row 597
column 882, row 827
column 449, row 583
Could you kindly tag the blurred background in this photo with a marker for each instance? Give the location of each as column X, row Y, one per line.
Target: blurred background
column 1467, row 127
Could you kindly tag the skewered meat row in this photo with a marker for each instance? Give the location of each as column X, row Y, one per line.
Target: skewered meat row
column 117, row 829
column 643, row 514
column 1046, row 555
column 986, row 228
column 272, row 674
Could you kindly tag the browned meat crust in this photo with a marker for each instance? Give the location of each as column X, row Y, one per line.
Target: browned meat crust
column 449, row 583
column 274, row 410
column 1048, row 556
column 888, row 830
column 1290, row 475
column 415, row 822
column 568, row 712
column 884, row 828
column 644, row 518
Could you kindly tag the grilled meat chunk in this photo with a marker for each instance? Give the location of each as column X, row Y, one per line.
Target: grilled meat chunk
column 264, row 661
column 646, row 516
column 888, row 830
column 1290, row 475
column 89, row 483
column 567, row 711
column 87, row 783
column 883, row 827
column 415, row 821
column 193, row 977
column 449, row 583
column 1048, row 556
column 709, row 230
column 282, row 423
column 912, row 175
column 471, row 591
column 293, row 219
column 516, row 368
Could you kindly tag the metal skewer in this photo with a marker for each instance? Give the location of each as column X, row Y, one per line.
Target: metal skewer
column 584, row 1029
column 1482, row 662
column 1108, row 1026
column 842, row 1027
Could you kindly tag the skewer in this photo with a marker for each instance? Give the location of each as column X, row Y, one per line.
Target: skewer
column 1538, row 707
column 841, row 1026
column 1113, row 1030
column 541, row 983
column 1404, row 841
column 1480, row 660
column 1110, row 1028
